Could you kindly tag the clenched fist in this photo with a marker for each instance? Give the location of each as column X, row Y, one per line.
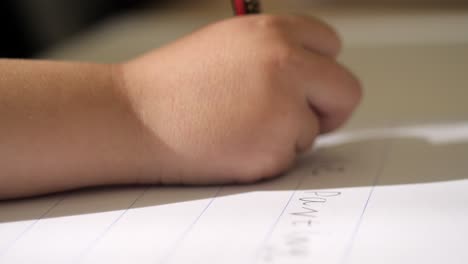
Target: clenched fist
column 238, row 100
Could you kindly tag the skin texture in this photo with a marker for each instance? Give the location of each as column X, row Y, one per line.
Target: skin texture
column 234, row 102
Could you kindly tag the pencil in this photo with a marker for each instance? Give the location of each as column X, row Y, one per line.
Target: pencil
column 246, row 7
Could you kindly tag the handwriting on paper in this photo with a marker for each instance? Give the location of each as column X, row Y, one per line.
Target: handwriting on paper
column 303, row 222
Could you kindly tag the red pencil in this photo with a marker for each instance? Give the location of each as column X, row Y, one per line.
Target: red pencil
column 246, row 7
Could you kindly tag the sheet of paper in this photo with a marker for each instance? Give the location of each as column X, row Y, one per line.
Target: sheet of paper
column 378, row 196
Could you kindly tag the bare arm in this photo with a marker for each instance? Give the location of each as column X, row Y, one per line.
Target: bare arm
column 63, row 126
column 236, row 101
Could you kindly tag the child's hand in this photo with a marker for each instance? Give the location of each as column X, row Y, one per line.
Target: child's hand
column 238, row 100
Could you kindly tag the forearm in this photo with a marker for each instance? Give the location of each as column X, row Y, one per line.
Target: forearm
column 236, row 101
column 63, row 126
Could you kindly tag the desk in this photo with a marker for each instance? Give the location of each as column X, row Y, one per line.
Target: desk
column 389, row 188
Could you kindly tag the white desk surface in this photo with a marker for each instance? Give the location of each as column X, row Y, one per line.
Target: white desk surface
column 386, row 195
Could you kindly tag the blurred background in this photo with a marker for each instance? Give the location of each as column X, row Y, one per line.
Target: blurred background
column 31, row 27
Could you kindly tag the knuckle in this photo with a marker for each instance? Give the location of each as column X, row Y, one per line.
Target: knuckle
column 348, row 88
column 328, row 33
column 286, row 53
column 354, row 89
column 333, row 37
column 335, row 42
column 282, row 57
column 269, row 22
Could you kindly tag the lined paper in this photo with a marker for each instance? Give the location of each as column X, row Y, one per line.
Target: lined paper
column 396, row 195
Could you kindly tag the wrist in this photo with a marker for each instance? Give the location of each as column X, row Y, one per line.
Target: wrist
column 142, row 152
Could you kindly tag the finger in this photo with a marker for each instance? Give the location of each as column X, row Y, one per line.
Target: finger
column 314, row 35
column 332, row 91
column 309, row 128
